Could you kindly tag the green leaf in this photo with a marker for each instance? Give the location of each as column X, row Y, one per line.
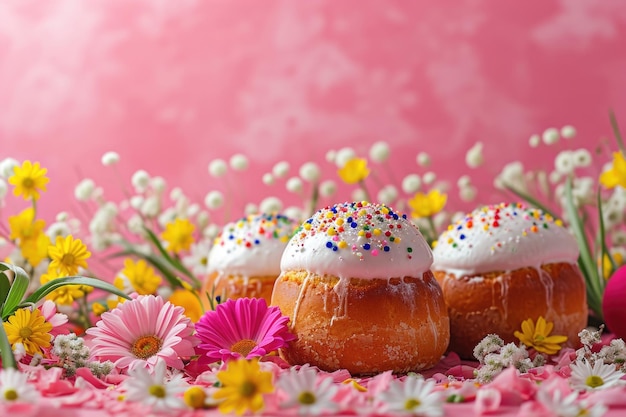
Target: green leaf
column 50, row 286
column 617, row 133
column 173, row 261
column 585, row 259
column 604, row 248
column 5, row 286
column 6, row 352
column 17, row 290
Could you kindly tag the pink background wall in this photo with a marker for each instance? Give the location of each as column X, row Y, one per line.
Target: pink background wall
column 171, row 85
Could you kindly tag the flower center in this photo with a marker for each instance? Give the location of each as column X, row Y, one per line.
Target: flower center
column 243, row 347
column 247, row 389
column 594, row 381
column 146, row 346
column 157, row 391
column 68, row 259
column 411, row 403
column 10, row 394
column 306, row 398
column 28, row 182
column 25, row 333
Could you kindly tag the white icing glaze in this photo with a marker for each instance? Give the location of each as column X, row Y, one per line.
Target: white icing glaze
column 251, row 246
column 503, row 237
column 358, row 240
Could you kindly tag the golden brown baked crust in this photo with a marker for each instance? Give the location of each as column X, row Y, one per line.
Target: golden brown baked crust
column 366, row 326
column 236, row 286
column 498, row 302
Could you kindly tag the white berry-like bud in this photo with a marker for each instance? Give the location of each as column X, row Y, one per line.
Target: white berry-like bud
column 568, row 132
column 331, row 156
column 328, row 188
column 474, row 157
column 271, row 205
column 281, row 169
column 429, row 177
column 379, row 152
column 294, row 185
column 411, row 183
column 551, row 136
column 140, row 180
column 217, row 168
column 268, row 179
column 239, row 162
column 467, row 193
column 310, row 172
column 463, row 181
column 343, row 156
column 250, row 208
column 423, row 159
column 110, row 158
column 84, row 190
column 534, row 140
column 581, row 158
column 213, row 200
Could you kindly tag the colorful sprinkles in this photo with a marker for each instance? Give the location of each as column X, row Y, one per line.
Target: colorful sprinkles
column 375, row 226
column 495, row 217
column 252, row 230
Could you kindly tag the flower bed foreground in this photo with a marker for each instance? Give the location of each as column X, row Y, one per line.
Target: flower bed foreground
column 146, row 357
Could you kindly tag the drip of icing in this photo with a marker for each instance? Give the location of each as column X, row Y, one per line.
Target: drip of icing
column 251, row 246
column 503, row 237
column 296, row 306
column 358, row 240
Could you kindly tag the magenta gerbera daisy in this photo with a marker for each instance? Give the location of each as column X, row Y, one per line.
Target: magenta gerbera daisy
column 242, row 328
column 139, row 331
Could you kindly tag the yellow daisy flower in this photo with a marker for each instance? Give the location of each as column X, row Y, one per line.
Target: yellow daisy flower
column 29, row 233
column 68, row 254
column 29, row 179
column 189, row 301
column 243, row 386
column 36, row 250
column 354, row 171
column 24, row 226
column 538, row 336
column 140, row 276
column 607, row 267
column 426, row 205
column 64, row 295
column 617, row 174
column 178, row 235
column 29, row 328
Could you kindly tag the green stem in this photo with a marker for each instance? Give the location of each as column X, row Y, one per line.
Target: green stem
column 6, row 352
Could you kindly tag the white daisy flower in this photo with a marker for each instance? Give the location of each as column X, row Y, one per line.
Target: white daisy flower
column 306, row 391
column 197, row 260
column 568, row 405
column 14, row 387
column 586, row 377
column 414, row 395
column 154, row 389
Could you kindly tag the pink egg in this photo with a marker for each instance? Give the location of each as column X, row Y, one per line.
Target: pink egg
column 614, row 303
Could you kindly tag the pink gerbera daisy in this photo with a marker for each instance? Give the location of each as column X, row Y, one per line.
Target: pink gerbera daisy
column 140, row 331
column 245, row 327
